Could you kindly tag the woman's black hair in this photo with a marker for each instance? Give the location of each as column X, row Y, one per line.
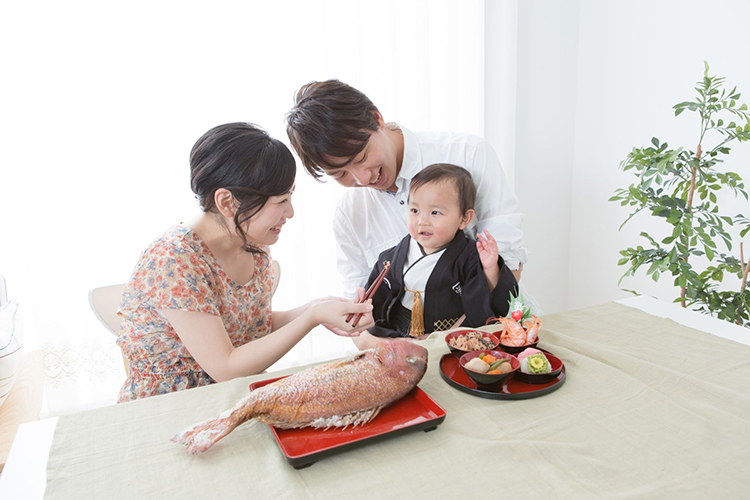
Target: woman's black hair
column 245, row 160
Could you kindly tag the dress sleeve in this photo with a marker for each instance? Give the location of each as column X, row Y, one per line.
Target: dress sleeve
column 173, row 277
column 497, row 207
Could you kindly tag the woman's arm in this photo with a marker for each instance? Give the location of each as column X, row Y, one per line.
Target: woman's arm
column 207, row 341
column 281, row 318
column 497, row 207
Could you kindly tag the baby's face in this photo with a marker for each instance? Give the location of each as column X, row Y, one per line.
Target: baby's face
column 435, row 215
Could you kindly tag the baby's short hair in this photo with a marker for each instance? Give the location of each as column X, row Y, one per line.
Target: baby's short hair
column 442, row 172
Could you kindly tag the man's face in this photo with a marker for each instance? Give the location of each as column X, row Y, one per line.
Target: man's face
column 376, row 166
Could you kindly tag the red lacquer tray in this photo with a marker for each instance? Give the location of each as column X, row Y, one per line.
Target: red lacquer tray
column 305, row 446
column 510, row 388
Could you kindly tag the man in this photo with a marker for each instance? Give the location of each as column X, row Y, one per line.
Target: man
column 338, row 132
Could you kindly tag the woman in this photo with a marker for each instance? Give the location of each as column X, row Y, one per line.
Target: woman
column 197, row 308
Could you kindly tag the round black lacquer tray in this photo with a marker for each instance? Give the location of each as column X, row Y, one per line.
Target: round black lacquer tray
column 509, row 388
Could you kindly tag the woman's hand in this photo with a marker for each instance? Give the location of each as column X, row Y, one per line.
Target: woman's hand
column 362, row 325
column 281, row 318
column 333, row 314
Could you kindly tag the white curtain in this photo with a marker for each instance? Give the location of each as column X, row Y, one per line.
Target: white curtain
column 102, row 102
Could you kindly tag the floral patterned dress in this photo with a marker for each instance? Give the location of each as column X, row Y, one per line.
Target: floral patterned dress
column 178, row 271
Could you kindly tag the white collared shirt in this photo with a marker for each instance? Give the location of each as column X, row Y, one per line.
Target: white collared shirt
column 368, row 221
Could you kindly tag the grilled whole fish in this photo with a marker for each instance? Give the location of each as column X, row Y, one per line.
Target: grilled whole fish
column 350, row 391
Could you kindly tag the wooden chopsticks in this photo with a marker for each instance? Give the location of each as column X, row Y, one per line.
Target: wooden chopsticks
column 371, row 291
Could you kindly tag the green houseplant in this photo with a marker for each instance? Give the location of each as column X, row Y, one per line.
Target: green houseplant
column 680, row 186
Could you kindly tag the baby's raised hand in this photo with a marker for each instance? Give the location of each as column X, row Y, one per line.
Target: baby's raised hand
column 487, row 248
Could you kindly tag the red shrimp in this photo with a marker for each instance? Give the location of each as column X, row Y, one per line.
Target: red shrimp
column 513, row 333
column 532, row 326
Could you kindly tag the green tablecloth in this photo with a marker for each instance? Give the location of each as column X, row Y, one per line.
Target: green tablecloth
column 649, row 409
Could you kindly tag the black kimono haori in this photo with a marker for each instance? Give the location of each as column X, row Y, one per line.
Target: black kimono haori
column 455, row 286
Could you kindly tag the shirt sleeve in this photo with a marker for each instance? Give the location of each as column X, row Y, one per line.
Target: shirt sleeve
column 351, row 262
column 497, row 207
column 174, row 277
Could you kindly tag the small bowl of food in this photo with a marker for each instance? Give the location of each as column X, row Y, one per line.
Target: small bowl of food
column 515, row 336
column 466, row 340
column 537, row 367
column 488, row 367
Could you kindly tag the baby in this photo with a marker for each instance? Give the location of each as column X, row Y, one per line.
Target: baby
column 437, row 274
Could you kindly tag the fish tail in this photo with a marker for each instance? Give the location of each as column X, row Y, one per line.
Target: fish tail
column 203, row 435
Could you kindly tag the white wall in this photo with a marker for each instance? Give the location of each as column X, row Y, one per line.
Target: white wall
column 595, row 79
column 545, row 109
column 500, row 49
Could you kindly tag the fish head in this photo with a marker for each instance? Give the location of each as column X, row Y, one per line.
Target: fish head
column 407, row 359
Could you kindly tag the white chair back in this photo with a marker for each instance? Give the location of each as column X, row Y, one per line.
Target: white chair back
column 104, row 301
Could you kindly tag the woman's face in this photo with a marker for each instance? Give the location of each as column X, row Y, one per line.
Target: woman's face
column 264, row 227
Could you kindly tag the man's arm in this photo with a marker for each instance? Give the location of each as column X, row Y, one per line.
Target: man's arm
column 350, row 257
column 517, row 272
column 497, row 207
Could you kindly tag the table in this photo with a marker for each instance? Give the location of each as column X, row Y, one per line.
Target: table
column 650, row 408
